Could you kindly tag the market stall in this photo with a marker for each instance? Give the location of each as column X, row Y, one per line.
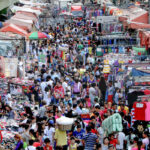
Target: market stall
column 14, row 29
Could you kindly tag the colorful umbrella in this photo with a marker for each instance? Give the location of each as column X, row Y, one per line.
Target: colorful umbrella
column 49, row 36
column 37, row 35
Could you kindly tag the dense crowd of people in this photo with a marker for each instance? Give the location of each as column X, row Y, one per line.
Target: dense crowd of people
column 66, row 87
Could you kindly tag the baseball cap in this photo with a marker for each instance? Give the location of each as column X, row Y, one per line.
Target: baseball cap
column 51, row 122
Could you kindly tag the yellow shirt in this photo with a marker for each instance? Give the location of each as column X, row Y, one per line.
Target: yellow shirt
column 73, row 147
column 82, row 71
column 125, row 108
column 61, row 137
column 90, row 50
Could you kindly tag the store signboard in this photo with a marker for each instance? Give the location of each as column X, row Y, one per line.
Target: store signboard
column 10, row 69
column 106, row 19
column 8, row 66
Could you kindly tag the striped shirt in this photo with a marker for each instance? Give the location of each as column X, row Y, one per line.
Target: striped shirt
column 90, row 140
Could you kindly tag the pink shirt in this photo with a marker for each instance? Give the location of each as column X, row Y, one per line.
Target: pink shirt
column 137, row 148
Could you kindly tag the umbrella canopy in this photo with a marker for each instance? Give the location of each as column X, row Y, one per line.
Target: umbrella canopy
column 48, row 36
column 37, row 35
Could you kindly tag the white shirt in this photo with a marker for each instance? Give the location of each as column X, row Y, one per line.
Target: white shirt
column 47, row 98
column 30, row 148
column 91, row 60
column 101, row 133
column 145, row 141
column 121, row 138
column 78, row 110
column 34, row 127
column 64, row 85
column 50, row 82
column 30, row 75
column 45, row 75
column 10, row 103
column 24, row 121
column 43, row 86
column 49, row 133
column 69, row 90
column 7, row 97
column 92, row 92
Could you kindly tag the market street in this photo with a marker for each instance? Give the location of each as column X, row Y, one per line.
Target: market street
column 74, row 75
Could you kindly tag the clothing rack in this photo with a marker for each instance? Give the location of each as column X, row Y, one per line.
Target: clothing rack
column 116, row 37
column 115, row 45
column 146, row 63
column 137, row 78
column 143, row 98
column 139, row 87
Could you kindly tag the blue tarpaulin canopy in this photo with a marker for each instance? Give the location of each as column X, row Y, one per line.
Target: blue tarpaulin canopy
column 136, row 72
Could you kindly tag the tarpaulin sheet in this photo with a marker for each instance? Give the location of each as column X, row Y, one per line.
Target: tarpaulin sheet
column 136, row 72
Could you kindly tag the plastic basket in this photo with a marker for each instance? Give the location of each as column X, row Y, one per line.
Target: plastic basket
column 64, row 127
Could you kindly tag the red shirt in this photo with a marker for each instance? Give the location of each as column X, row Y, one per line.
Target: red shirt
column 139, row 110
column 94, row 131
column 36, row 144
column 114, row 142
column 59, row 92
column 48, row 148
column 146, row 92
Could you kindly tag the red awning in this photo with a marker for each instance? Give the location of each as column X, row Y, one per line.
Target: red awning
column 14, row 29
column 122, row 18
column 23, row 25
column 134, row 25
column 143, row 18
column 27, row 13
column 25, row 16
column 76, row 8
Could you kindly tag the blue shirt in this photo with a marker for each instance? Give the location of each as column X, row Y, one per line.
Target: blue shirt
column 67, row 102
column 90, row 140
column 71, row 83
column 19, row 145
column 116, row 98
column 79, row 135
column 85, row 79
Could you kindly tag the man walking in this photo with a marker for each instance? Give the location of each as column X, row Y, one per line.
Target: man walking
column 90, row 139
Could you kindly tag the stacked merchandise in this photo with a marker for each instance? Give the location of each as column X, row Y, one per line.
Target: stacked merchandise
column 8, row 129
column 117, row 40
column 112, row 124
column 21, row 84
column 19, row 101
column 142, row 81
column 3, row 87
column 94, row 13
column 112, row 58
column 108, row 28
